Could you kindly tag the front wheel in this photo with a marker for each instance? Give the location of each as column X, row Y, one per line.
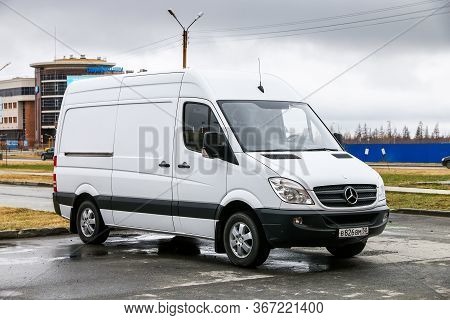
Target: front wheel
column 43, row 157
column 347, row 251
column 245, row 244
column 90, row 226
column 447, row 164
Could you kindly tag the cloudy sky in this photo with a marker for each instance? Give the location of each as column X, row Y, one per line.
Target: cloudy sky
column 308, row 43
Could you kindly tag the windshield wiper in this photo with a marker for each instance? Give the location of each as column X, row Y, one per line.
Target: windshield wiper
column 321, row 149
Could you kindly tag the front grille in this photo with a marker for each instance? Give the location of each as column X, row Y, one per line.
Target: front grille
column 333, row 196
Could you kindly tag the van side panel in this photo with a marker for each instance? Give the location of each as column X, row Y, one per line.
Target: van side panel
column 141, row 186
column 85, row 152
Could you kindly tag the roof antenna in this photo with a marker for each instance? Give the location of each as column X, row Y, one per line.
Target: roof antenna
column 260, row 87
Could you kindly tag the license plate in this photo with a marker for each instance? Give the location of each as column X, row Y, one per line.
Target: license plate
column 353, row 232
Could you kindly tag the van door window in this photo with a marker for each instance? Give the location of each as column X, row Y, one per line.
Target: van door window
column 197, row 120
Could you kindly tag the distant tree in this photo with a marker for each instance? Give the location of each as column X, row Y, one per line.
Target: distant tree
column 419, row 131
column 364, row 132
column 375, row 134
column 426, row 134
column 389, row 131
column 358, row 132
column 436, row 134
column 331, row 128
column 405, row 133
column 381, row 133
column 394, row 134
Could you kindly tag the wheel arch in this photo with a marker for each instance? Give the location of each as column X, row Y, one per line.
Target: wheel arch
column 224, row 213
column 79, row 199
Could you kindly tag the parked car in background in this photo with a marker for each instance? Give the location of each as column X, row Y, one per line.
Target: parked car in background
column 446, row 162
column 47, row 154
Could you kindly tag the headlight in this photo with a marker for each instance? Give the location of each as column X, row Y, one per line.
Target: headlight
column 381, row 191
column 290, row 191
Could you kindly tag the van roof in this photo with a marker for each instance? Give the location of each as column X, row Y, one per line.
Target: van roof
column 208, row 84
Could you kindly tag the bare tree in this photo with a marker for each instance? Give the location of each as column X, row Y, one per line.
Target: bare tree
column 419, row 131
column 405, row 133
column 436, row 134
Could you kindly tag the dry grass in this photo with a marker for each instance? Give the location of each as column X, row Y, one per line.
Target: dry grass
column 415, row 178
column 25, row 178
column 28, row 155
column 397, row 200
column 438, row 171
column 19, row 219
column 28, row 166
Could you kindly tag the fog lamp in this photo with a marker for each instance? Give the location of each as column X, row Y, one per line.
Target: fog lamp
column 297, row 220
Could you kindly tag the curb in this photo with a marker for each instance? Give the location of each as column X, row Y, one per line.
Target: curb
column 29, row 233
column 419, row 212
column 28, row 184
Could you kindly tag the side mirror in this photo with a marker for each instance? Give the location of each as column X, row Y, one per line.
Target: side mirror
column 339, row 137
column 214, row 145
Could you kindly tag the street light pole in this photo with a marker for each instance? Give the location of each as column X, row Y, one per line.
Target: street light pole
column 185, row 34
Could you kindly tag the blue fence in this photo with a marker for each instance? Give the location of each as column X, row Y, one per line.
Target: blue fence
column 418, row 153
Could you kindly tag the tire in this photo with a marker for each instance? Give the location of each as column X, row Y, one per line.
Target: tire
column 447, row 164
column 347, row 251
column 90, row 225
column 245, row 243
column 43, row 158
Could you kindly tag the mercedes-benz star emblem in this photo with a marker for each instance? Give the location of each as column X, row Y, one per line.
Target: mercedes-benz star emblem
column 351, row 196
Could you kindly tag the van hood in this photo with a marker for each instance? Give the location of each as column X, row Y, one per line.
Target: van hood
column 318, row 168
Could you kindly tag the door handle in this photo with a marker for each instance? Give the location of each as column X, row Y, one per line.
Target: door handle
column 184, row 165
column 164, row 165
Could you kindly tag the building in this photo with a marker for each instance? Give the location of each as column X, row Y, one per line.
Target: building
column 17, row 111
column 51, row 83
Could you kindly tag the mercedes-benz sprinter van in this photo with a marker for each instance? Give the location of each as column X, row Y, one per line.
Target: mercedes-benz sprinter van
column 213, row 155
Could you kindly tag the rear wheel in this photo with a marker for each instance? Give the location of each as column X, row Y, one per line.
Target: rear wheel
column 90, row 226
column 447, row 164
column 347, row 251
column 244, row 243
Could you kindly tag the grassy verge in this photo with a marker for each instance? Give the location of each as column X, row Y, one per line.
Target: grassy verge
column 397, row 200
column 19, row 219
column 28, row 155
column 25, row 178
column 415, row 178
column 35, row 166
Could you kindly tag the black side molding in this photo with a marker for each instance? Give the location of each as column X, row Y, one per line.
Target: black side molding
column 89, row 154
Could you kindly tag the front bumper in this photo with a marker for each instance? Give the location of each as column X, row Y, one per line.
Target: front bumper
column 318, row 228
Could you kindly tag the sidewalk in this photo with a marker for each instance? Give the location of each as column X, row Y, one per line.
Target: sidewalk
column 417, row 190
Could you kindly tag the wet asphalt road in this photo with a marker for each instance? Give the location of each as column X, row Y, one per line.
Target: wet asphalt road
column 409, row 261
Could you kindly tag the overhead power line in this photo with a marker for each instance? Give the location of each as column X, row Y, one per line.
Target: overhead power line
column 320, row 26
column 305, row 21
column 144, row 46
column 372, row 53
column 40, row 28
column 296, row 34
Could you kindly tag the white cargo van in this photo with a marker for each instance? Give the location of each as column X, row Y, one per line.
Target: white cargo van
column 212, row 155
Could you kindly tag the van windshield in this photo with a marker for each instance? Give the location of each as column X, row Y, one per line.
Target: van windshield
column 277, row 126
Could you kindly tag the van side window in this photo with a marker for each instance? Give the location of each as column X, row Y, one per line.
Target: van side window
column 197, row 120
